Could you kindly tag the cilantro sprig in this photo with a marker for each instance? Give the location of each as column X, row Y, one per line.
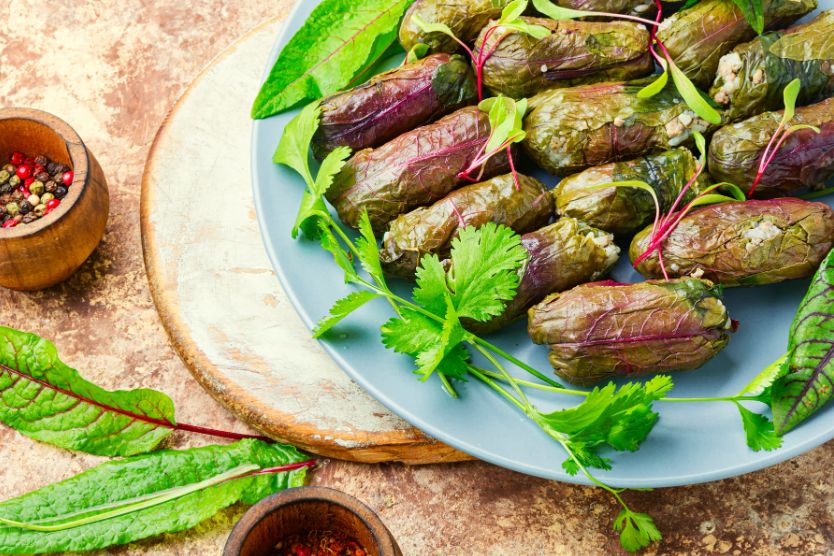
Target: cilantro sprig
column 481, row 275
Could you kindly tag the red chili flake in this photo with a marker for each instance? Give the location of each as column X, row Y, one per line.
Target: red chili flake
column 319, row 543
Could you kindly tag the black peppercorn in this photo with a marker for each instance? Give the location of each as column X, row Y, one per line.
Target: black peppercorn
column 50, row 167
column 42, row 177
column 50, row 186
column 17, row 196
column 25, row 207
column 60, row 192
column 41, row 160
column 5, row 188
column 31, row 217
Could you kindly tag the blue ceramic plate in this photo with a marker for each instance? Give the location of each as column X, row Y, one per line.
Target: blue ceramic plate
column 691, row 443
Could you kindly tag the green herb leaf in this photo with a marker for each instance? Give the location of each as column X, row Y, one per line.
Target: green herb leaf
column 47, row 400
column 655, row 86
column 692, row 96
column 368, row 249
column 759, row 430
column 414, row 334
column 338, row 39
column 806, row 386
column 135, row 482
column 505, row 121
column 789, row 95
column 483, row 274
column 620, row 418
column 330, row 166
column 511, row 19
column 761, row 384
column 637, row 530
column 753, row 13
column 431, row 290
column 343, row 308
column 417, row 52
column 553, row 11
column 432, row 27
column 451, row 336
column 330, row 243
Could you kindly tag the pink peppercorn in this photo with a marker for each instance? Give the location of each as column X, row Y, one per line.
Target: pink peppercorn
column 67, row 178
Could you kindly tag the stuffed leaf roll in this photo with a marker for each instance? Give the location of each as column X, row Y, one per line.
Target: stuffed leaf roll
column 752, row 77
column 641, row 8
column 747, row 243
column 805, row 159
column 575, row 52
column 394, row 102
column 415, row 169
column 572, row 129
column 602, row 330
column 699, row 36
column 622, row 210
column 465, row 18
column 562, row 255
column 432, row 229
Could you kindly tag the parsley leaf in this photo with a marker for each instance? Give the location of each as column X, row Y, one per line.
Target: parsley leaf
column 451, row 336
column 483, row 274
column 637, row 530
column 759, row 430
column 431, row 290
column 619, row 418
column 368, row 249
column 343, row 308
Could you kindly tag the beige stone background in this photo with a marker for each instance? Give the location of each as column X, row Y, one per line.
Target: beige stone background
column 113, row 69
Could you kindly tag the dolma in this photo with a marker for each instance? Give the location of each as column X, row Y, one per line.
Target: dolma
column 572, row 129
column 642, row 8
column 394, row 102
column 465, row 18
column 746, row 243
column 598, row 331
column 805, row 159
column 432, row 229
column 415, row 169
column 699, row 36
column 575, row 52
column 752, row 77
column 561, row 256
column 622, row 210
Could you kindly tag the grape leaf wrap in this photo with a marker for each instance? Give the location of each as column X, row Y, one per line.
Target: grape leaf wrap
column 465, row 18
column 415, row 169
column 575, row 52
column 598, row 331
column 575, row 128
column 805, row 159
column 623, row 210
column 809, row 381
column 393, row 103
column 699, row 36
column 752, row 78
column 747, row 243
column 431, row 229
column 45, row 399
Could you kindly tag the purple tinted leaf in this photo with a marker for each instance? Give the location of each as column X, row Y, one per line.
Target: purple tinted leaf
column 809, row 382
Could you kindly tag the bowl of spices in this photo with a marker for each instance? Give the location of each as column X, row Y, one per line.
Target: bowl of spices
column 53, row 200
column 310, row 521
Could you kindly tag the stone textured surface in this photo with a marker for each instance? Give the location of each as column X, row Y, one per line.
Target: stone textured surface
column 113, row 69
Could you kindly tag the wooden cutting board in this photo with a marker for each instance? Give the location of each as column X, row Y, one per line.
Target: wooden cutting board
column 217, row 295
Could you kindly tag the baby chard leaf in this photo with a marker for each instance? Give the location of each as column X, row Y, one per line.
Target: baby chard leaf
column 334, row 45
column 417, row 52
column 807, row 383
column 135, row 498
column 47, row 400
column 692, row 96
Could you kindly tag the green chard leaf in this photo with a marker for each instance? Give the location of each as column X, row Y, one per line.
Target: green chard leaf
column 417, row 52
column 553, row 11
column 505, row 122
column 753, row 12
column 163, row 492
column 637, row 530
column 619, row 418
column 807, row 383
column 343, row 308
column 511, row 19
column 693, row 97
column 47, row 400
column 335, row 43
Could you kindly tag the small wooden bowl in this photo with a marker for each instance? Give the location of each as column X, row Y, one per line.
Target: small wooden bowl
column 303, row 509
column 47, row 251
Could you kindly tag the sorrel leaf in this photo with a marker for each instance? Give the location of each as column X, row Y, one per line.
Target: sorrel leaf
column 43, row 398
column 808, row 383
column 338, row 39
column 753, row 13
column 132, row 483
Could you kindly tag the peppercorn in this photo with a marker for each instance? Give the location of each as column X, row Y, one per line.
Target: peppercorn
column 33, row 200
column 18, row 218
column 61, row 168
column 67, row 177
column 51, row 167
column 9, row 168
column 4, row 176
column 17, row 158
column 41, row 160
column 50, row 186
column 39, row 210
column 23, row 171
column 52, row 204
column 31, row 217
column 12, row 208
column 46, row 197
column 14, row 181
column 36, row 187
column 42, row 177
column 60, row 192
column 25, row 207
column 17, row 196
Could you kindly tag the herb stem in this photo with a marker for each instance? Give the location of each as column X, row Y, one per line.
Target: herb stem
column 536, row 385
column 716, row 399
column 512, row 359
column 506, row 376
column 489, row 382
